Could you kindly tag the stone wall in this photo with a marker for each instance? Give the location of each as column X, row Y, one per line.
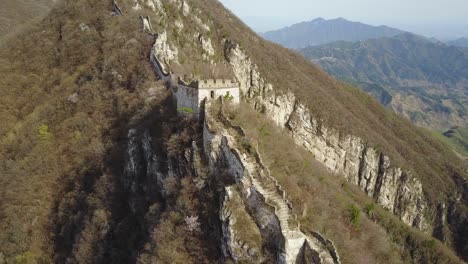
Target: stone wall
column 217, row 83
column 215, row 93
column 187, row 97
column 147, row 26
column 259, row 190
column 116, row 9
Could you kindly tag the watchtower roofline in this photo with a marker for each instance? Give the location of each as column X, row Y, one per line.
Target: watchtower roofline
column 209, row 83
column 192, row 84
column 217, row 83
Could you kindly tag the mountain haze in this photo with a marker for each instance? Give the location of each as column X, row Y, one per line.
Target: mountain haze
column 422, row 80
column 99, row 163
column 321, row 31
column 461, row 42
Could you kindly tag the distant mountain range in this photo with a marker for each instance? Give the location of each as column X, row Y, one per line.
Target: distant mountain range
column 321, row 31
column 461, row 42
column 425, row 81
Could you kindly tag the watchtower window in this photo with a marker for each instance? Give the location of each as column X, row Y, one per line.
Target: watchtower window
column 212, row 94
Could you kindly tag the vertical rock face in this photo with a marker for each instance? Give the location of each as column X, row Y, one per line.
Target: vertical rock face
column 142, row 166
column 208, row 51
column 347, row 155
column 164, row 51
column 262, row 202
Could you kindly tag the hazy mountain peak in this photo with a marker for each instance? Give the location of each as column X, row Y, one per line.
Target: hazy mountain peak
column 318, row 19
column 321, row 31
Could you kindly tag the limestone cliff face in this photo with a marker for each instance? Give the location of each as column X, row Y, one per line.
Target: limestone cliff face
column 347, row 155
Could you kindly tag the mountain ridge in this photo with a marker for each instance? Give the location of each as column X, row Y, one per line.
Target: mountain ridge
column 461, row 42
column 320, row 31
column 391, row 68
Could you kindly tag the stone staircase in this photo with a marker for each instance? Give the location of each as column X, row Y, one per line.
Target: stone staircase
column 275, row 197
column 256, row 174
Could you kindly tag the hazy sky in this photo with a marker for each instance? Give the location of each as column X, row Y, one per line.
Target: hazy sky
column 439, row 18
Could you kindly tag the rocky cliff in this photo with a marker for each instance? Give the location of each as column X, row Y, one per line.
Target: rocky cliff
column 345, row 155
column 255, row 199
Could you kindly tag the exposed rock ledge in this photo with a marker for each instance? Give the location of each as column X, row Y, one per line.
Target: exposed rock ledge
column 262, row 200
column 350, row 156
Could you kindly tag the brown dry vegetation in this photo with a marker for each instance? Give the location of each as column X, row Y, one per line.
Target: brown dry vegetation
column 351, row 111
column 341, row 106
column 17, row 15
column 68, row 98
column 39, row 70
column 323, row 202
column 61, row 159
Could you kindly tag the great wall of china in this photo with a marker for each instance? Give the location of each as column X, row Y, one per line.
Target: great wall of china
column 250, row 169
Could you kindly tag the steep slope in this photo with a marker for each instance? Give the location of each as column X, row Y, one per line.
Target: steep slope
column 419, row 79
column 266, row 83
column 321, row 31
column 98, row 166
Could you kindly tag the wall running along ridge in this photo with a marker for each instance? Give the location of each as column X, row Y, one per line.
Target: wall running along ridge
column 262, row 192
column 259, row 191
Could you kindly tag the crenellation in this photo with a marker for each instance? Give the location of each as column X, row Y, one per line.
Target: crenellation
column 192, row 95
column 217, row 84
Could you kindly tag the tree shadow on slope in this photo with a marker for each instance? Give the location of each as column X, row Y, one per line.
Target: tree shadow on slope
column 131, row 206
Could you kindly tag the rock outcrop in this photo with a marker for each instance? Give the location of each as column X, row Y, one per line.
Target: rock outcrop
column 266, row 200
column 208, row 51
column 350, row 156
column 164, row 51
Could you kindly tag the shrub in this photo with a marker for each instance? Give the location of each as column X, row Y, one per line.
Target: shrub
column 185, row 110
column 228, row 97
column 247, row 145
column 44, row 133
column 25, row 258
column 355, row 215
column 430, row 243
column 369, row 210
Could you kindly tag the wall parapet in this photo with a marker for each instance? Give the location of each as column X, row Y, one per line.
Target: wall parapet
column 217, row 83
column 117, row 11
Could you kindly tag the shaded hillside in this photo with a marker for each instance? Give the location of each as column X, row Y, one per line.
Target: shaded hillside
column 97, row 166
column 321, row 31
column 424, row 81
